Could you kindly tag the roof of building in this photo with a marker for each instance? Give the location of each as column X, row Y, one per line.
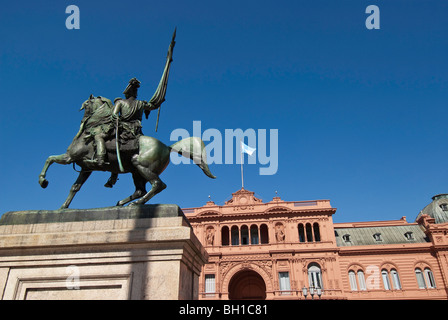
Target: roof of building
column 244, row 202
column 437, row 209
column 380, row 235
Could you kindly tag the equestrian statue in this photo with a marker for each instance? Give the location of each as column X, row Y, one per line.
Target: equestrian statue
column 110, row 138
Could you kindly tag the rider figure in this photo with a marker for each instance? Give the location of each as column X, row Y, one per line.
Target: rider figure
column 130, row 111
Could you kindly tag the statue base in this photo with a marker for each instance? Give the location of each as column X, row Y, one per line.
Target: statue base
column 140, row 253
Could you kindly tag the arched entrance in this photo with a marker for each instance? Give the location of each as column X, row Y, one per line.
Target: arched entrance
column 247, row 285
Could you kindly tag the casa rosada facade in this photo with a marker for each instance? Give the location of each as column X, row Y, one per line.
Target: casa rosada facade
column 293, row 250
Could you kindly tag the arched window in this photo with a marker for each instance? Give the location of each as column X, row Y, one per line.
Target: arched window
column 314, row 276
column 225, row 236
column 316, row 231
column 362, row 280
column 385, row 277
column 352, row 280
column 309, row 233
column 420, row 279
column 429, row 277
column 425, row 279
column 264, row 235
column 254, row 234
column 301, row 233
column 235, row 236
column 395, row 279
column 244, row 235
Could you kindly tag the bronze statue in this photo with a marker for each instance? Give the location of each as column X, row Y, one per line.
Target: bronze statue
column 110, row 138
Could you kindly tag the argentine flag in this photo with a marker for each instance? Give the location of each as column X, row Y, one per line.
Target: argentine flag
column 245, row 148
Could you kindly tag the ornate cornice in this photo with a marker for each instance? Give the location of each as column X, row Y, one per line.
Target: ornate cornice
column 248, row 212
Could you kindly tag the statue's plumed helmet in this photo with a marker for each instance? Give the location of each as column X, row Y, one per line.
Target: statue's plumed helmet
column 132, row 87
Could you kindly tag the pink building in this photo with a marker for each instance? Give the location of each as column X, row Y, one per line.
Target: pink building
column 293, row 250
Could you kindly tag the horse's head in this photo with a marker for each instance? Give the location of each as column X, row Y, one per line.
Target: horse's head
column 88, row 105
column 93, row 103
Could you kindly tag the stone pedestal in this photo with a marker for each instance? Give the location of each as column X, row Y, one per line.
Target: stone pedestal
column 144, row 252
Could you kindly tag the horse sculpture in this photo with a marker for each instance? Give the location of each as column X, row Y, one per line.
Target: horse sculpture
column 144, row 157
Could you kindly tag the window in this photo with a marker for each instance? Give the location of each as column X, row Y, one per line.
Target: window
column 395, row 279
column 377, row 237
column 225, row 236
column 346, row 238
column 444, row 206
column 254, row 234
column 314, row 276
column 362, row 280
column 264, row 235
column 352, row 280
column 244, row 235
column 429, row 277
column 309, row 233
column 301, row 233
column 235, row 236
column 409, row 235
column 385, row 277
column 283, row 280
column 316, row 231
column 420, row 279
column 209, row 283
column 425, row 279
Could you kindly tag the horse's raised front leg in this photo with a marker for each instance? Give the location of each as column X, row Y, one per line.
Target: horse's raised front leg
column 61, row 159
column 83, row 176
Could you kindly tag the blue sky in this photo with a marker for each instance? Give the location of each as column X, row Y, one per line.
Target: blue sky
column 361, row 114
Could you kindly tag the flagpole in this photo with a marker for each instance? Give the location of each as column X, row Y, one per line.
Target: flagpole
column 249, row 151
column 242, row 176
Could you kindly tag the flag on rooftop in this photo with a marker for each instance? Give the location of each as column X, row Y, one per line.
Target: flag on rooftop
column 245, row 148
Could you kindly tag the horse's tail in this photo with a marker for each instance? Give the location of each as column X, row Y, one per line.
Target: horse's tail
column 194, row 149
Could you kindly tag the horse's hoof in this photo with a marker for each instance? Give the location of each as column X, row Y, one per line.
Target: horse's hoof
column 43, row 183
column 134, row 204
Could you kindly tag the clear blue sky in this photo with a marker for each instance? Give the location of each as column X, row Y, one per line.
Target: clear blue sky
column 361, row 114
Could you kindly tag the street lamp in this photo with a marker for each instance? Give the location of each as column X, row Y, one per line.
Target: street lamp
column 304, row 291
column 312, row 291
column 319, row 292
